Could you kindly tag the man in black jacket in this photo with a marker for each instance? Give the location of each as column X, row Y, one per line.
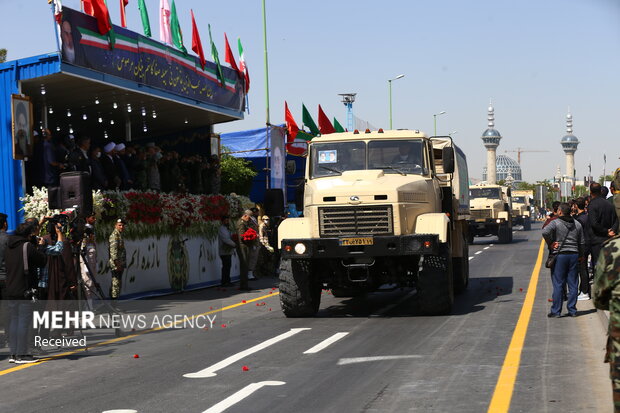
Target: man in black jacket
column 602, row 219
column 19, row 284
column 584, row 274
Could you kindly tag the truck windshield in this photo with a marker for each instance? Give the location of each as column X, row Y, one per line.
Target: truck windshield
column 518, row 199
column 393, row 156
column 333, row 158
column 492, row 193
column 397, row 156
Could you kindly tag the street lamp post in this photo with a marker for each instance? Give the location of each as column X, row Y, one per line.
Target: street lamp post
column 390, row 88
column 435, row 119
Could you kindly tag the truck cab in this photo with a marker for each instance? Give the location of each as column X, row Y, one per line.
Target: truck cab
column 490, row 212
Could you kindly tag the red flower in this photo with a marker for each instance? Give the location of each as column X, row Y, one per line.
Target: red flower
column 249, row 235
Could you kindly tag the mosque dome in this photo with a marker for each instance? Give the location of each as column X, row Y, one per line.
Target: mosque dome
column 491, row 133
column 505, row 166
column 570, row 139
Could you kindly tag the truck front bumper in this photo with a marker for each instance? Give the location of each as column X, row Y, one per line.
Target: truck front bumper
column 369, row 246
column 485, row 227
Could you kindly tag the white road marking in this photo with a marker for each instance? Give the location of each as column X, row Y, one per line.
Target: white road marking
column 120, row 411
column 471, row 258
column 485, row 248
column 240, row 395
column 389, row 307
column 490, row 245
column 478, row 252
column 354, row 360
column 210, row 371
column 323, row 344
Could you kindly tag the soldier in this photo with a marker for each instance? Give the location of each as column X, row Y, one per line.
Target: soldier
column 248, row 242
column 118, row 258
column 607, row 297
column 616, row 191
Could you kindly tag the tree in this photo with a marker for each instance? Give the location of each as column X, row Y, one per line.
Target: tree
column 581, row 190
column 3, row 54
column 525, row 186
column 607, row 179
column 237, row 175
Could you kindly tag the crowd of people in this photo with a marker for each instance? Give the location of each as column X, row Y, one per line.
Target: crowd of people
column 51, row 268
column 122, row 166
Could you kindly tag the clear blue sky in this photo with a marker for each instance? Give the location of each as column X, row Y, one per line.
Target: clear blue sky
column 533, row 58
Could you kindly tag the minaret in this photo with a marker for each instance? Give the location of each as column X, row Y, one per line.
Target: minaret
column 491, row 138
column 569, row 144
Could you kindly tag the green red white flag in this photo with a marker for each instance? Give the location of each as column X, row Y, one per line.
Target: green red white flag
column 243, row 67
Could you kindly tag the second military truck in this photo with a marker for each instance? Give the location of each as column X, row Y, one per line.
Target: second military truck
column 383, row 207
column 491, row 212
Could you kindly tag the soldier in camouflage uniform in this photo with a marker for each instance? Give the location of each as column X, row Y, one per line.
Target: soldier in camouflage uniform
column 118, row 258
column 616, row 192
column 607, row 297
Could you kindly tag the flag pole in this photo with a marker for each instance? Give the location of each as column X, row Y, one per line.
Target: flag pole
column 266, row 64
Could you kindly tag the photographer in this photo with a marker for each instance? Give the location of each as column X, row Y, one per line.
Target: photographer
column 20, row 285
column 51, row 245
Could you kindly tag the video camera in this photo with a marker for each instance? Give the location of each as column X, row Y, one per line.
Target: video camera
column 72, row 225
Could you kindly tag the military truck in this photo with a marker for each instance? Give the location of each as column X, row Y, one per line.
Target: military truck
column 521, row 208
column 490, row 212
column 381, row 207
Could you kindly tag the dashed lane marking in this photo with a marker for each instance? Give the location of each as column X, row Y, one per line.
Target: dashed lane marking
column 240, row 395
column 478, row 252
column 355, row 360
column 486, row 248
column 115, row 340
column 210, row 371
column 471, row 258
column 502, row 395
column 325, row 343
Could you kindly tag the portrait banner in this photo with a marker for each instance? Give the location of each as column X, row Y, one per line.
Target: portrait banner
column 134, row 57
column 21, row 116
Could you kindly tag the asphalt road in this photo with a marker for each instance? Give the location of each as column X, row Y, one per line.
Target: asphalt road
column 358, row 355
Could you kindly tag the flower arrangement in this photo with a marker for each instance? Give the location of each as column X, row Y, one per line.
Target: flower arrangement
column 249, row 235
column 149, row 213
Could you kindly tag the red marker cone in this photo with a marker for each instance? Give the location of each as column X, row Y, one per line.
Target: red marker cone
column 521, row 289
column 550, row 300
column 136, row 356
column 243, row 301
column 245, row 368
column 223, row 325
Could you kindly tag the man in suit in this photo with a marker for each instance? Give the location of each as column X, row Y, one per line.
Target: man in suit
column 602, row 219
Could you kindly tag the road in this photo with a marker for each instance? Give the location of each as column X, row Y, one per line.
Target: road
column 357, row 355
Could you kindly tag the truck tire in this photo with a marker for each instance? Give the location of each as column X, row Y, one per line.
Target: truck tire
column 527, row 224
column 504, row 234
column 460, row 270
column 435, row 284
column 300, row 291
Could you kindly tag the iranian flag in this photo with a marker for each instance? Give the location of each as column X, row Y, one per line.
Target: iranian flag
column 243, row 68
column 57, row 10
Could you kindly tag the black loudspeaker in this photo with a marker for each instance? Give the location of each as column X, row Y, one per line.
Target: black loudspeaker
column 53, row 197
column 274, row 202
column 76, row 190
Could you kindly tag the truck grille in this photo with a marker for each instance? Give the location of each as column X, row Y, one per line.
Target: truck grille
column 358, row 220
column 480, row 213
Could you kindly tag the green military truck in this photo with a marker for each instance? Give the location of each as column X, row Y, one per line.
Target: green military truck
column 384, row 207
column 490, row 212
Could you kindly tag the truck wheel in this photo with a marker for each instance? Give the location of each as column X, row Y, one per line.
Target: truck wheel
column 435, row 284
column 300, row 291
column 470, row 237
column 527, row 224
column 460, row 269
column 504, row 234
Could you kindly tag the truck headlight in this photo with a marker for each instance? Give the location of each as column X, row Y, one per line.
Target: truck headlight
column 300, row 248
column 498, row 221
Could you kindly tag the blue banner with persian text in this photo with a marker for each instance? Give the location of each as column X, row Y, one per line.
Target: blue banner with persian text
column 141, row 59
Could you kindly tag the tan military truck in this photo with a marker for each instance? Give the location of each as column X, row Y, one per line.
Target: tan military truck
column 490, row 212
column 383, row 207
column 521, row 208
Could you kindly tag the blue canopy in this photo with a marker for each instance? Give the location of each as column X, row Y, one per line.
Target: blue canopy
column 247, row 144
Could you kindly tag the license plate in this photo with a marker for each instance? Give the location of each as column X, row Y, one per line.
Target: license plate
column 356, row 241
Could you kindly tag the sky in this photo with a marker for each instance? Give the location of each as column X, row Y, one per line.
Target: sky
column 533, row 59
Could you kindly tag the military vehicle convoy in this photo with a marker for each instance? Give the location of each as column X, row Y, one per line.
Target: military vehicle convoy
column 490, row 212
column 381, row 207
column 521, row 208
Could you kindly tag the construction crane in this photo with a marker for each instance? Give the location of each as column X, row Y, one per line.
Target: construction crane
column 520, row 150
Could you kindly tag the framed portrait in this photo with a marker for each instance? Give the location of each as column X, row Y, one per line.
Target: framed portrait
column 215, row 145
column 21, row 111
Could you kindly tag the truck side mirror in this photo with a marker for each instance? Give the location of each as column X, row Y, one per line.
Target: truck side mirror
column 447, row 156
